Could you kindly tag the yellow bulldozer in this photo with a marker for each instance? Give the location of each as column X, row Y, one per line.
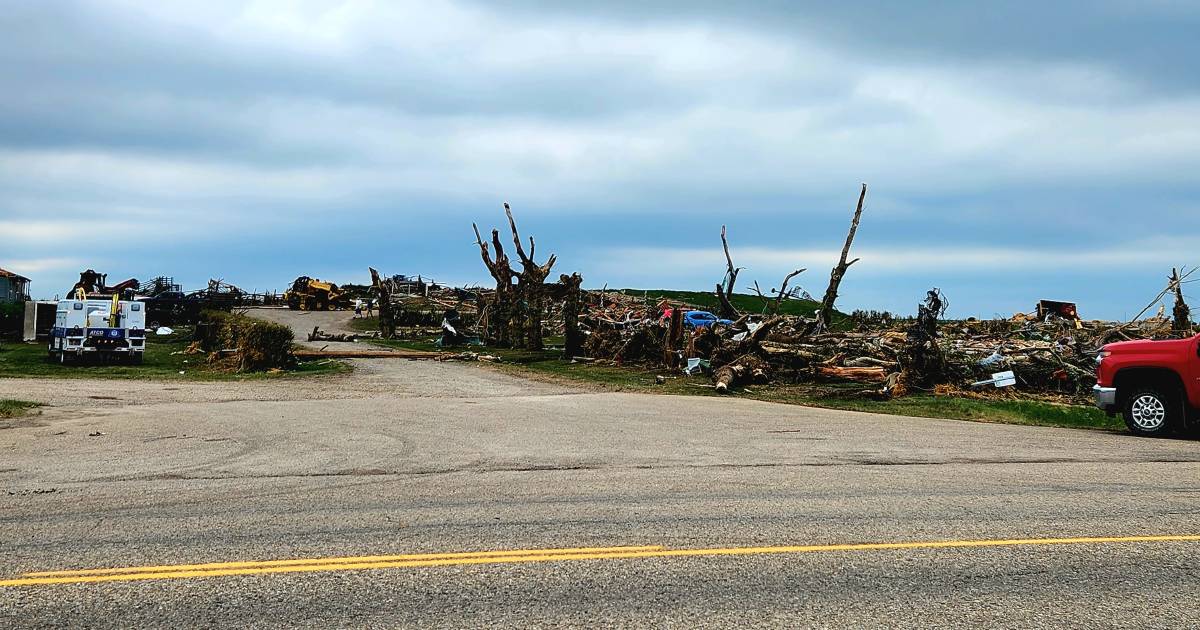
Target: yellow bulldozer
column 310, row 294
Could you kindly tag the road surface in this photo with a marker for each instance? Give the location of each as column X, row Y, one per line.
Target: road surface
column 446, row 495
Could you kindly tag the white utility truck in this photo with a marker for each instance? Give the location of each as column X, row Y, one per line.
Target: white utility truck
column 105, row 328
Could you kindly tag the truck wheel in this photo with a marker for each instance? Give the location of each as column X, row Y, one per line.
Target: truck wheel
column 1151, row 412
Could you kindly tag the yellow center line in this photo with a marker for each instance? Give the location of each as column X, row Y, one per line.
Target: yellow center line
column 250, row 564
column 528, row 556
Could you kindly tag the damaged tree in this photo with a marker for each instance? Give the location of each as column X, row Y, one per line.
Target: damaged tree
column 530, row 286
column 572, row 302
column 825, row 317
column 499, row 323
column 1181, row 315
column 726, row 287
column 921, row 362
column 673, row 342
column 387, row 318
column 771, row 305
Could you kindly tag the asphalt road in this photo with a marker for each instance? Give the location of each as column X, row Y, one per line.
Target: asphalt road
column 736, row 508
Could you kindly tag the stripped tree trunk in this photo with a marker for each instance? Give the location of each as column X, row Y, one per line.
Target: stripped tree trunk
column 835, row 276
column 725, row 293
column 502, row 301
column 387, row 318
column 1181, row 314
column 530, row 285
column 573, row 337
column 674, row 339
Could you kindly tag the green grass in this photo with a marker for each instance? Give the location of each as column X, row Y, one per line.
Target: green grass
column 708, row 300
column 744, row 302
column 16, row 408
column 159, row 362
column 1006, row 411
column 365, row 324
column 548, row 365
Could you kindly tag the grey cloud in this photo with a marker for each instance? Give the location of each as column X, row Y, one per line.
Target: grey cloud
column 1152, row 42
column 83, row 76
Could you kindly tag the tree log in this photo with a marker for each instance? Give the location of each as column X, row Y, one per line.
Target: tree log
column 745, row 369
column 868, row 374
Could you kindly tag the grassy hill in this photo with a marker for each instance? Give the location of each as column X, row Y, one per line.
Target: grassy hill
column 743, row 302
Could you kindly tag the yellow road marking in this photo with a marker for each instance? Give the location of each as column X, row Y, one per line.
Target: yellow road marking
column 525, row 556
column 251, row 564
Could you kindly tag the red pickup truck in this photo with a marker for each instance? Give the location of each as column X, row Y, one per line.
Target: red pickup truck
column 1155, row 385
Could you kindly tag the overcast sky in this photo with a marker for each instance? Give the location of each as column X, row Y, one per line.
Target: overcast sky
column 1013, row 150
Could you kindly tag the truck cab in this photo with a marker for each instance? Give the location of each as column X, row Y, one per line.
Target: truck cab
column 106, row 328
column 1154, row 385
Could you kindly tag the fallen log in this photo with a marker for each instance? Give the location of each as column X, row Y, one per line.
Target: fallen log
column 868, row 362
column 747, row 369
column 868, row 374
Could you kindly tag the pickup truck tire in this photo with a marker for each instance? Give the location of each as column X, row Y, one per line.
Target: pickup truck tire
column 1151, row 411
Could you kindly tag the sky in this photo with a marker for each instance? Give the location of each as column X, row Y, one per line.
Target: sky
column 1013, row 151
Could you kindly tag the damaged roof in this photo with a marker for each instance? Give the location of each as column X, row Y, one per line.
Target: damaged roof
column 4, row 273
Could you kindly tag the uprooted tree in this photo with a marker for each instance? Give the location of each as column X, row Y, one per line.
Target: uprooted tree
column 825, row 317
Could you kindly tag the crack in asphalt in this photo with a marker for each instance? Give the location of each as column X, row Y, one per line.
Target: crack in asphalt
column 379, row 472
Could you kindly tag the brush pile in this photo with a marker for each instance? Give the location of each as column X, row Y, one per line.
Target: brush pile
column 1052, row 357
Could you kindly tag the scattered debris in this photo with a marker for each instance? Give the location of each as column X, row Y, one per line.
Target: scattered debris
column 318, row 335
column 999, row 379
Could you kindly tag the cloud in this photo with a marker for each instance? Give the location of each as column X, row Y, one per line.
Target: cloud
column 263, row 129
column 892, row 261
column 41, row 265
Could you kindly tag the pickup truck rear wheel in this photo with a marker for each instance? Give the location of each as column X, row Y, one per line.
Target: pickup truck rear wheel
column 1151, row 412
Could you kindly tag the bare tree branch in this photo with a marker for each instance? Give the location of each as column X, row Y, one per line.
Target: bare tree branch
column 835, row 276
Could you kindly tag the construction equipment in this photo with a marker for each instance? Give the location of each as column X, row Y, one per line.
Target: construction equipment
column 94, row 284
column 310, row 294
